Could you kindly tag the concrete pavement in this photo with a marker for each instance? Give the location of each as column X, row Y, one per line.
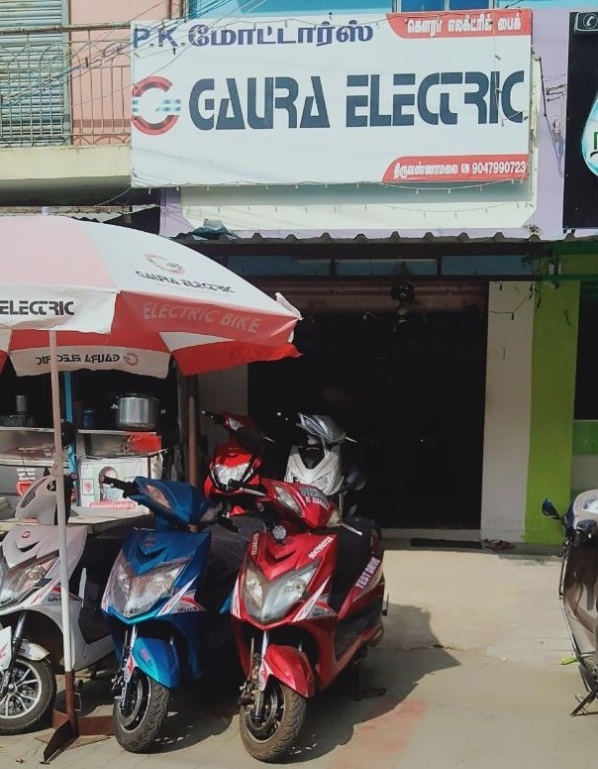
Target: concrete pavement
column 470, row 661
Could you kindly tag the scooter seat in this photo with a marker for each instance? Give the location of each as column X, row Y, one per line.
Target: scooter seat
column 354, row 551
column 98, row 558
column 227, row 549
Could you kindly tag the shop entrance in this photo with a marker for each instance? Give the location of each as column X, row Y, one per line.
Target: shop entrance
column 410, row 390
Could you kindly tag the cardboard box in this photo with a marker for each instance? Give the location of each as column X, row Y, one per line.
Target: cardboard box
column 95, row 494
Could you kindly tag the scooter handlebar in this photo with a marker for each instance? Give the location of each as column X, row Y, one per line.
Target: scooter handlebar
column 216, row 418
column 222, row 520
column 128, row 488
column 251, row 488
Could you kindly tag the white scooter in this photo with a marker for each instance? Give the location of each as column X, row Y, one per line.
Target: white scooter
column 319, row 461
column 30, row 608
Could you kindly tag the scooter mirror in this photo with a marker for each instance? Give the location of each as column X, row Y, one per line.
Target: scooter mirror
column 251, row 439
column 355, row 480
column 550, row 510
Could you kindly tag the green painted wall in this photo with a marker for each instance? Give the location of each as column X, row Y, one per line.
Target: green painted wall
column 585, row 437
column 554, row 354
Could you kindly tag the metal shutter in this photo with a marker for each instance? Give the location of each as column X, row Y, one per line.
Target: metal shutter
column 34, row 107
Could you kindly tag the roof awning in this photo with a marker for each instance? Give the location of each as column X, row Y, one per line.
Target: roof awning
column 325, row 246
column 89, row 213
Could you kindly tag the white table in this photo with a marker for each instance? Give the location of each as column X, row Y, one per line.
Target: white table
column 96, row 520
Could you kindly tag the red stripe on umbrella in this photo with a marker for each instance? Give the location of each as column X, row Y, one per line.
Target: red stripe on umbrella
column 223, row 355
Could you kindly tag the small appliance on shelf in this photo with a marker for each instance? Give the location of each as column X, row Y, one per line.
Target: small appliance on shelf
column 19, row 419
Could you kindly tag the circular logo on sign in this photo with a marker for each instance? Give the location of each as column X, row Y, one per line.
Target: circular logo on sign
column 131, row 358
column 590, row 20
column 169, row 107
column 163, row 264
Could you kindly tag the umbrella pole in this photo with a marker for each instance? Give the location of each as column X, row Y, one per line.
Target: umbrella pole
column 69, row 725
column 192, row 431
column 58, row 470
column 68, row 730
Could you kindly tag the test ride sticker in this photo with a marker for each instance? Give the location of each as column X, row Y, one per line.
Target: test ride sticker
column 395, row 98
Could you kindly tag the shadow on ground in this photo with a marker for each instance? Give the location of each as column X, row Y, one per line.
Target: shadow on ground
column 197, row 711
column 408, row 652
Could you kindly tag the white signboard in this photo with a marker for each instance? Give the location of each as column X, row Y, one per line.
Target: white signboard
column 401, row 98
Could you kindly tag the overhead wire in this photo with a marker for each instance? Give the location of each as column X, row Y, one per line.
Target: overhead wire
column 124, row 47
column 82, row 44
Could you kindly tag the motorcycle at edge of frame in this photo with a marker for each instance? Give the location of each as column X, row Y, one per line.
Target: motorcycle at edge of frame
column 578, row 587
column 30, row 612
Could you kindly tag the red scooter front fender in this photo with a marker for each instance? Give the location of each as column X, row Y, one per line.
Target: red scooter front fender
column 291, row 667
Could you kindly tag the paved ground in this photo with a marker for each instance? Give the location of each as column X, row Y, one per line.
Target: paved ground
column 471, row 662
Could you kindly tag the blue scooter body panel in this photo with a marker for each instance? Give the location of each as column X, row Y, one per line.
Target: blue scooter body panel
column 158, row 660
column 146, row 550
column 171, row 626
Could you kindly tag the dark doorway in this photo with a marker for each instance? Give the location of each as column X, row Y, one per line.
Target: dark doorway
column 586, row 404
column 411, row 391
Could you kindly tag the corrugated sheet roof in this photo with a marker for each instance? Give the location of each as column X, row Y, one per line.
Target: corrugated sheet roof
column 395, row 237
column 326, row 237
column 90, row 213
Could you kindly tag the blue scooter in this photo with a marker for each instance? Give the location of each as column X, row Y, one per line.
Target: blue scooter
column 151, row 607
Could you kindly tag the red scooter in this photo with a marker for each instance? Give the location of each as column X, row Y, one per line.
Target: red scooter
column 234, row 466
column 308, row 601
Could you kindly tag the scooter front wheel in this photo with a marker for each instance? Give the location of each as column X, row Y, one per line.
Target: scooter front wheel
column 271, row 735
column 29, row 696
column 139, row 716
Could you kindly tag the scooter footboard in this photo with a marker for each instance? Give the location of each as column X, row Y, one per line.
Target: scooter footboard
column 158, row 659
column 291, row 667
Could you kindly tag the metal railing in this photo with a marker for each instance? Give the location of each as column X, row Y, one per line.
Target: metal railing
column 65, row 85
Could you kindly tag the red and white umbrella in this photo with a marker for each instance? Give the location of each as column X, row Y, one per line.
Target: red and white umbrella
column 127, row 300
column 84, row 295
column 133, row 352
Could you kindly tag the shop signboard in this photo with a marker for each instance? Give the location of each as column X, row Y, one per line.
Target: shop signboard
column 580, row 205
column 398, row 98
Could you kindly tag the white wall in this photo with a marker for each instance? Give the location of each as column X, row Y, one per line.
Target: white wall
column 508, row 411
column 222, row 391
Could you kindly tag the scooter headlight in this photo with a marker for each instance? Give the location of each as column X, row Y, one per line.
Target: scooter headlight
column 17, row 583
column 132, row 595
column 269, row 601
column 224, row 474
column 286, row 498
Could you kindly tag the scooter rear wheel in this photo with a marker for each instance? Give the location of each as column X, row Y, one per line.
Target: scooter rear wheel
column 272, row 735
column 30, row 696
column 138, row 722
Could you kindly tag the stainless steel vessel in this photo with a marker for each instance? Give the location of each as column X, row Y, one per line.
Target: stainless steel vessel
column 137, row 412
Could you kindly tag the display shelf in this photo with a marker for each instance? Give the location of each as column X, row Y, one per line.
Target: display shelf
column 27, row 429
column 116, row 432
